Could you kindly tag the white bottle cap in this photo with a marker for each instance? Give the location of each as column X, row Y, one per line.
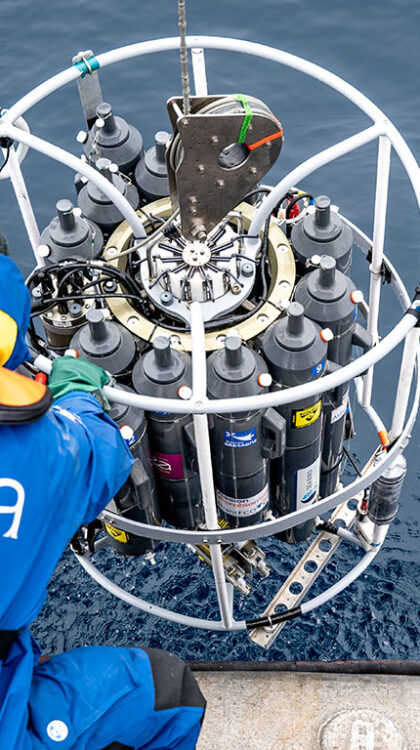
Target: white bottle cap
column 356, row 296
column 127, row 433
column 43, row 251
column 184, row 392
column 264, row 379
column 326, row 334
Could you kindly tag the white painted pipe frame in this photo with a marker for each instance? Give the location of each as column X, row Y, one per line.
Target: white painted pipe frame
column 247, row 48
column 205, row 467
column 381, row 202
column 21, row 150
column 199, row 71
column 275, row 398
column 152, row 609
column 303, row 170
column 78, row 165
column 234, row 625
column 408, row 363
column 24, row 203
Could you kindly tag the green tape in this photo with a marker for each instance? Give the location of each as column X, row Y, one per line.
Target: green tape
column 89, row 66
column 247, row 118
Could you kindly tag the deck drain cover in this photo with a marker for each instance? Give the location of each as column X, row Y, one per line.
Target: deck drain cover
column 361, row 729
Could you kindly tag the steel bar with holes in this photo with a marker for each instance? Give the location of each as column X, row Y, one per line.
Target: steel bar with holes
column 303, row 576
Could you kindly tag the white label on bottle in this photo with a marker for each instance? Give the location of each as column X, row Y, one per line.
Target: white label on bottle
column 241, row 507
column 340, row 411
column 307, row 484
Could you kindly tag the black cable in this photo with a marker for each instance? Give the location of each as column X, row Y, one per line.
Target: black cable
column 267, row 621
column 9, row 144
column 257, row 191
column 295, row 200
column 289, row 208
column 352, row 461
column 53, row 302
column 84, row 265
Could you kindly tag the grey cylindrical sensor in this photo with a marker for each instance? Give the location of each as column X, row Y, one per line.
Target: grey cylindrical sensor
column 385, row 493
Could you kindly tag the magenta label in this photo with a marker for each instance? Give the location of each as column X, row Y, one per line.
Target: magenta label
column 168, row 465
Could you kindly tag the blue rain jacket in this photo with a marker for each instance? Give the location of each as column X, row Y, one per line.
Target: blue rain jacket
column 55, row 475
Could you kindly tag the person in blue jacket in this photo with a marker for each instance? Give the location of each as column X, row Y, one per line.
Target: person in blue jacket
column 59, row 466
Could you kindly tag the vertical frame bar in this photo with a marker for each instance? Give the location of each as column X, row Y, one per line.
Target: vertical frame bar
column 381, row 202
column 202, row 437
column 24, row 204
column 408, row 362
column 199, row 71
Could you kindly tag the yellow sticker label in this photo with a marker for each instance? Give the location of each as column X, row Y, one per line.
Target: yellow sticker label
column 307, row 416
column 118, row 534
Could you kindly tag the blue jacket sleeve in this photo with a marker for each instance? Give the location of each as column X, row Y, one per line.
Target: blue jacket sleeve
column 104, row 457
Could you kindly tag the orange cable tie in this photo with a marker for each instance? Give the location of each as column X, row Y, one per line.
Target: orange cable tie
column 272, row 137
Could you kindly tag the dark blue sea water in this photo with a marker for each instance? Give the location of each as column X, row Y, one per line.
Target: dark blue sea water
column 373, row 45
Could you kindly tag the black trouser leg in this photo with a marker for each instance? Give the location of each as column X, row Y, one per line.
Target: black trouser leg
column 174, row 684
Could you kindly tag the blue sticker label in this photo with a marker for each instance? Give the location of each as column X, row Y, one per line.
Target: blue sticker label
column 354, row 312
column 241, row 439
column 131, row 440
column 318, row 368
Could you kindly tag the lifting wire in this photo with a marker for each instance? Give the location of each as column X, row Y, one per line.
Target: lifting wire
column 182, row 22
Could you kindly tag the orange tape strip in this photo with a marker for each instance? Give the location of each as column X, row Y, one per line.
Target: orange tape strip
column 383, row 437
column 272, row 137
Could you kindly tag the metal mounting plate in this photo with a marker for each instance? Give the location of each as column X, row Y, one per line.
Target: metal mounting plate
column 203, row 190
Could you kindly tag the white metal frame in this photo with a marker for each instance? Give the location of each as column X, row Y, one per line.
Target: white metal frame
column 383, row 130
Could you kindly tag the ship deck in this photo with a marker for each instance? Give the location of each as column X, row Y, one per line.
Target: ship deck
column 272, row 710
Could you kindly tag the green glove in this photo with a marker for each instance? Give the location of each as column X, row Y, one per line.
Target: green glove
column 70, row 374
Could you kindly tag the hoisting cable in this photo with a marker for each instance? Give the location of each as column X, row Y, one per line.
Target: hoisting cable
column 7, row 144
column 182, row 23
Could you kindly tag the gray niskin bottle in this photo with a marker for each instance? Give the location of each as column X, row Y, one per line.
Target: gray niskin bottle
column 322, row 233
column 69, row 235
column 328, row 297
column 161, row 372
column 242, row 443
column 296, row 354
column 97, row 207
column 137, row 499
column 107, row 344
column 151, row 174
column 115, row 140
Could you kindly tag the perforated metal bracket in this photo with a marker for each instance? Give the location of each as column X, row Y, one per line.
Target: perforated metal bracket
column 311, row 564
